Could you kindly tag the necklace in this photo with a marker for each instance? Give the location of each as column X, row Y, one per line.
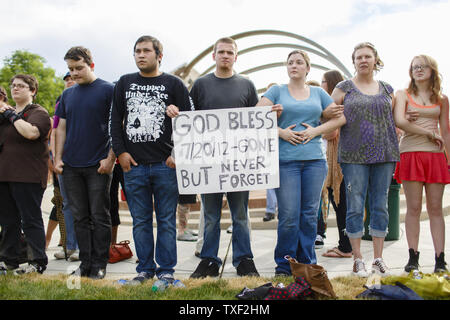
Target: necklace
column 422, row 100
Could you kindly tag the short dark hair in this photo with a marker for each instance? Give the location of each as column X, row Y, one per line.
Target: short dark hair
column 225, row 40
column 3, row 94
column 77, row 53
column 157, row 45
column 29, row 79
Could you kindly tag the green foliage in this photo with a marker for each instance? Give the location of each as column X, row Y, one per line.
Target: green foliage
column 50, row 85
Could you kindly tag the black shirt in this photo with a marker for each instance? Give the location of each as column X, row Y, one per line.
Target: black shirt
column 139, row 124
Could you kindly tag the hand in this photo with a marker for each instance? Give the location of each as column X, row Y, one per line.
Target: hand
column 126, row 160
column 10, row 114
column 106, row 166
column 278, row 108
column 330, row 135
column 170, row 162
column 437, row 139
column 333, row 111
column 399, row 133
column 308, row 134
column 4, row 106
column 411, row 115
column 59, row 167
column 172, row 111
column 293, row 137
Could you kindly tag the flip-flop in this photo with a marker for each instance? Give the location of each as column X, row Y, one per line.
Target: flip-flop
column 336, row 253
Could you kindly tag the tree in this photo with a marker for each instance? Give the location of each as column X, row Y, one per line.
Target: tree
column 50, row 86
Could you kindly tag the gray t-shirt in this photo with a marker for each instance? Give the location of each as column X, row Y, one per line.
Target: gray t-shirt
column 211, row 92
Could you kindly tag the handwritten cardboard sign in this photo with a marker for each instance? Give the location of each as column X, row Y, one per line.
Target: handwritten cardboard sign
column 226, row 150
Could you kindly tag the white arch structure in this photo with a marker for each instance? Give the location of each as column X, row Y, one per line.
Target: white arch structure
column 305, row 44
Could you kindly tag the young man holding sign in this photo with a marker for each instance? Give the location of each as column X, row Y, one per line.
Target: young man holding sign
column 142, row 140
column 218, row 90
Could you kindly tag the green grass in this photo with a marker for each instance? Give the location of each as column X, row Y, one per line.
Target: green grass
column 44, row 287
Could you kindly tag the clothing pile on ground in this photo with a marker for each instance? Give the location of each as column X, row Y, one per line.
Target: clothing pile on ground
column 414, row 286
column 300, row 289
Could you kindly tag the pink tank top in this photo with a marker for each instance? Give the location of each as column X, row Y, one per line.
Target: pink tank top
column 428, row 119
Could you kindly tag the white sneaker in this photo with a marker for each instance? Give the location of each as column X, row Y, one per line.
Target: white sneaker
column 60, row 255
column 194, row 233
column 359, row 268
column 186, row 236
column 380, row 268
column 318, row 244
column 75, row 256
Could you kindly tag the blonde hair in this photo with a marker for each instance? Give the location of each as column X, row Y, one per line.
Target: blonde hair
column 313, row 83
column 303, row 54
column 435, row 80
column 378, row 63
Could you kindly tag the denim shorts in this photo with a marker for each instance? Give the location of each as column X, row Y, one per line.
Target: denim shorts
column 372, row 180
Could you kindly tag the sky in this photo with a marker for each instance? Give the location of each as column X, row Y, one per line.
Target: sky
column 399, row 30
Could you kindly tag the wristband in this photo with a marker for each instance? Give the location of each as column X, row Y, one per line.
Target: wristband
column 11, row 115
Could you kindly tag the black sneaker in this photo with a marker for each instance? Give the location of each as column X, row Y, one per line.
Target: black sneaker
column 97, row 274
column 269, row 216
column 246, row 268
column 282, row 274
column 413, row 262
column 206, row 268
column 30, row 268
column 440, row 264
column 3, row 269
column 143, row 276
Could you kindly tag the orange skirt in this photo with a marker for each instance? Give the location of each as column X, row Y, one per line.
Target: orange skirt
column 427, row 167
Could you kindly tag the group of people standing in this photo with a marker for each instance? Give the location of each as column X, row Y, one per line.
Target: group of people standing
column 99, row 122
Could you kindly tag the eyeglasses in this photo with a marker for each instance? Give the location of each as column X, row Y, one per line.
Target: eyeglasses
column 419, row 67
column 18, row 86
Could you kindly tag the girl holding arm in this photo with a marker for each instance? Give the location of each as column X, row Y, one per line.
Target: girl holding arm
column 368, row 152
column 422, row 160
column 302, row 161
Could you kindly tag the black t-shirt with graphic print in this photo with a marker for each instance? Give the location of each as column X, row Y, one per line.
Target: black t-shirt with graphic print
column 139, row 124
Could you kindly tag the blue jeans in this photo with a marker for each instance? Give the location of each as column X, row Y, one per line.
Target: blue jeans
column 71, row 239
column 271, row 201
column 374, row 180
column 212, row 206
column 145, row 183
column 298, row 197
column 87, row 194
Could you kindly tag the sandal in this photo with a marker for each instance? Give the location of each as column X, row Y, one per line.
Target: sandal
column 336, row 253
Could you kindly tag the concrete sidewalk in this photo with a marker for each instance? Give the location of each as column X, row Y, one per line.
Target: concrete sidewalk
column 263, row 245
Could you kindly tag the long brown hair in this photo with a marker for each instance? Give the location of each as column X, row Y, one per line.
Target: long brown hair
column 332, row 77
column 435, row 80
